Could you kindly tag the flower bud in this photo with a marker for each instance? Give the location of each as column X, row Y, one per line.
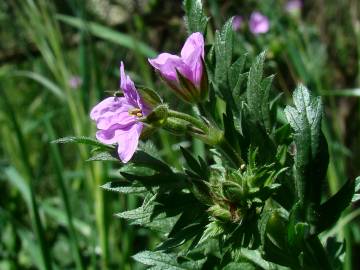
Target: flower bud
column 220, row 213
column 149, row 96
column 158, row 116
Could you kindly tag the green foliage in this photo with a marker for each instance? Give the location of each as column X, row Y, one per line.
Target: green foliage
column 243, row 185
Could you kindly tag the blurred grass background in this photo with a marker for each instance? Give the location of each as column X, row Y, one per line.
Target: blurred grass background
column 58, row 58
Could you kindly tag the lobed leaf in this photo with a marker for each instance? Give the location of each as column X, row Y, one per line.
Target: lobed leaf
column 311, row 158
column 163, row 261
column 83, row 140
column 223, row 47
column 123, row 187
column 257, row 93
column 195, row 18
column 235, row 73
column 144, row 159
column 103, row 156
column 331, row 210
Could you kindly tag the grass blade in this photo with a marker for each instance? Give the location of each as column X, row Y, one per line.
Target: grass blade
column 109, row 34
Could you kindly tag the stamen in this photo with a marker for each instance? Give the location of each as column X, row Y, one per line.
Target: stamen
column 135, row 112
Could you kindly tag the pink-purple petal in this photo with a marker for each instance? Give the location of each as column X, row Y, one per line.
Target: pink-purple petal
column 128, row 87
column 109, row 136
column 109, row 104
column 128, row 142
column 189, row 64
column 194, row 43
column 167, row 64
column 121, row 119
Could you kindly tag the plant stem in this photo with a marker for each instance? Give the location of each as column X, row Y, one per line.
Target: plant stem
column 192, row 120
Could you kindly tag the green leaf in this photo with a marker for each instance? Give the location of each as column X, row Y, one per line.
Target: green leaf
column 83, row 140
column 163, row 261
column 48, row 84
column 235, row 72
column 144, row 159
column 212, row 230
column 18, row 181
column 273, row 236
column 165, row 181
column 356, row 197
column 311, row 158
column 223, row 53
column 103, row 156
column 141, row 215
column 109, row 34
column 199, row 168
column 182, row 236
column 237, row 266
column 257, row 93
column 231, row 134
column 331, row 210
column 195, row 18
column 123, row 187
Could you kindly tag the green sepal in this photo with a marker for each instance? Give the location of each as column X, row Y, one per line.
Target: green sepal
column 188, row 88
column 149, row 96
column 157, row 117
column 204, row 83
column 176, row 126
column 220, row 213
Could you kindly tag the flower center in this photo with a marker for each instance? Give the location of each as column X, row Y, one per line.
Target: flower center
column 135, row 112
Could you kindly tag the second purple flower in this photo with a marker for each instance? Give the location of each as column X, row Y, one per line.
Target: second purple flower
column 185, row 73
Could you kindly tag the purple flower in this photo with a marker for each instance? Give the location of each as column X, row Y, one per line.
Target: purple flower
column 237, row 22
column 117, row 118
column 259, row 23
column 75, row 82
column 184, row 74
column 293, row 6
